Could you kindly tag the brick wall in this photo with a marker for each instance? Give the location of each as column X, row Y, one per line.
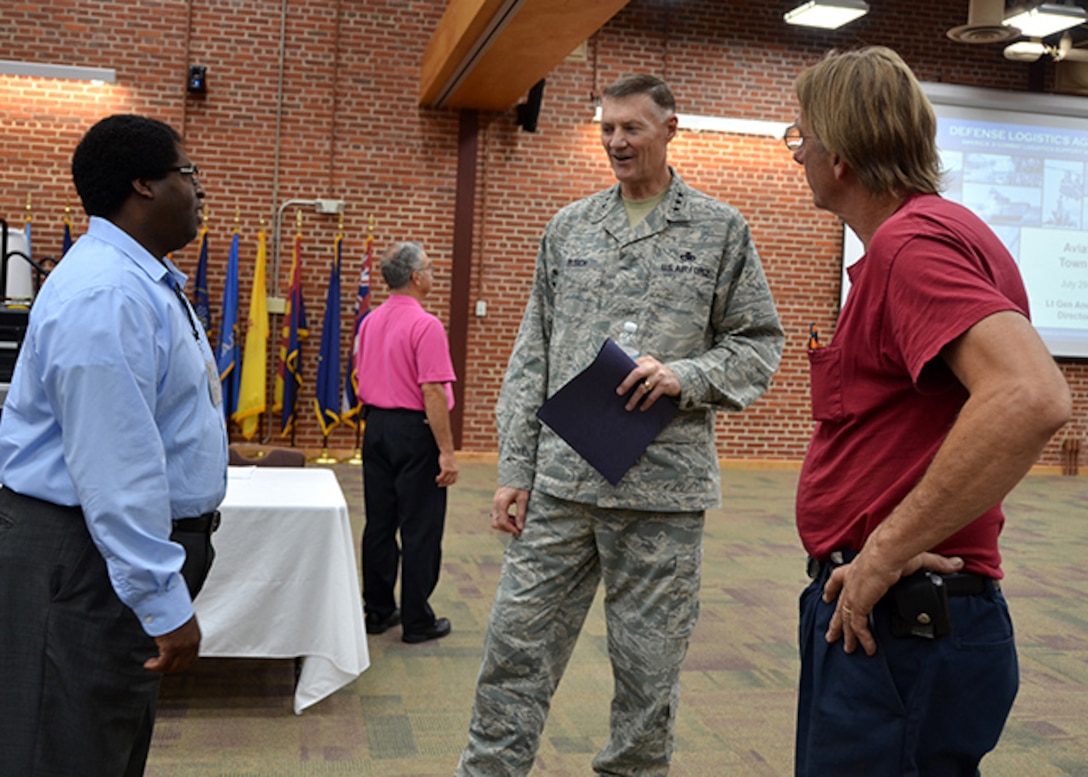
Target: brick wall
column 349, row 127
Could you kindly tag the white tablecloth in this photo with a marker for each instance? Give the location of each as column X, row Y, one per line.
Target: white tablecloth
column 284, row 583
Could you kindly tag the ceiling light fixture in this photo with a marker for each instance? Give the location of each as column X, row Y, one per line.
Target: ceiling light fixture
column 1025, row 50
column 1032, row 50
column 1046, row 19
column 100, row 75
column 827, row 14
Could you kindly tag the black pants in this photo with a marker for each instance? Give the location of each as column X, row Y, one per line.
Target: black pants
column 400, row 464
column 74, row 696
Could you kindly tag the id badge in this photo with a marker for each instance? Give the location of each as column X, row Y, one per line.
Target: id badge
column 215, row 388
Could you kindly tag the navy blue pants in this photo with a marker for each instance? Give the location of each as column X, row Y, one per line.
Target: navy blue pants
column 400, row 464
column 918, row 707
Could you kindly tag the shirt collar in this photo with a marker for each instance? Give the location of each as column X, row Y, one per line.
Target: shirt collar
column 108, row 232
column 676, row 209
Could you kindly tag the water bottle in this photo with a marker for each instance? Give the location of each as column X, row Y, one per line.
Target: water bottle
column 628, row 339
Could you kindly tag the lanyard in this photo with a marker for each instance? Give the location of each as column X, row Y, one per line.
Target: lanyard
column 188, row 312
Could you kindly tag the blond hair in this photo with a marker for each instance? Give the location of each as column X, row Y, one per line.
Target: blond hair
column 867, row 107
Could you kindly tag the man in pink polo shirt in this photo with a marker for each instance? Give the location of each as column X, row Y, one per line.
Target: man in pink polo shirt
column 405, row 377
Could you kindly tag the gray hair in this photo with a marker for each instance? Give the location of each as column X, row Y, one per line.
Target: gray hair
column 643, row 83
column 399, row 262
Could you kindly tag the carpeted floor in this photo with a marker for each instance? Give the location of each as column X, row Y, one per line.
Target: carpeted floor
column 406, row 716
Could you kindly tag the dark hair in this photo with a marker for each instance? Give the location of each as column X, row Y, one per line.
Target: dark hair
column 643, row 83
column 116, row 151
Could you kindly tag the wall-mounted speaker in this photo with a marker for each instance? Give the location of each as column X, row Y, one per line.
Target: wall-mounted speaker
column 198, row 80
column 529, row 111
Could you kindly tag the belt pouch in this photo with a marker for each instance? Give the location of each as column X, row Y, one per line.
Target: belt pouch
column 199, row 555
column 920, row 606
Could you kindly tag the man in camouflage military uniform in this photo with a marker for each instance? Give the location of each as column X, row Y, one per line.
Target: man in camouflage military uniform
column 681, row 265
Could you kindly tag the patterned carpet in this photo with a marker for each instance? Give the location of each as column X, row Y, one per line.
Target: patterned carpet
column 407, row 715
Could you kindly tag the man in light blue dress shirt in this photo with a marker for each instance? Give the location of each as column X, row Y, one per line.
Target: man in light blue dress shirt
column 111, row 441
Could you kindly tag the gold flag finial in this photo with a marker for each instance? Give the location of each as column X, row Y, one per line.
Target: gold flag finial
column 298, row 219
column 340, row 228
column 28, row 206
column 370, row 229
column 237, row 216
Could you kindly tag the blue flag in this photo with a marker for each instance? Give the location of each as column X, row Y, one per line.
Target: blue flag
column 202, row 303
column 292, row 349
column 66, row 238
column 327, row 401
column 349, row 408
column 26, row 232
column 228, row 350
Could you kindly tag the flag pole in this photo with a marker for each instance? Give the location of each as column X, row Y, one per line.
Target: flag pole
column 294, row 409
column 324, row 457
column 357, row 455
column 360, row 421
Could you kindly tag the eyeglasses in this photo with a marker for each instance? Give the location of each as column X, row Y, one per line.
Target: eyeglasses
column 793, row 138
column 190, row 170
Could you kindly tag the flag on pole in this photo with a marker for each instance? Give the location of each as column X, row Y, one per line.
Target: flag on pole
column 201, row 301
column 228, row 351
column 252, row 394
column 289, row 371
column 326, row 403
column 66, row 238
column 26, row 231
column 349, row 408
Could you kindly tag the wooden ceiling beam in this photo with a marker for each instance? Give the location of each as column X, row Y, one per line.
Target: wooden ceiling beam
column 486, row 54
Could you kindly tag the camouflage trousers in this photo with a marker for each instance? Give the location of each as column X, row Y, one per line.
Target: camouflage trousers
column 650, row 566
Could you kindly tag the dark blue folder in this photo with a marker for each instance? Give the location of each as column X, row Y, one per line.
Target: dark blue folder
column 591, row 417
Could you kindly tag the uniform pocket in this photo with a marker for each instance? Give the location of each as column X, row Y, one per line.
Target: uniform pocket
column 825, row 367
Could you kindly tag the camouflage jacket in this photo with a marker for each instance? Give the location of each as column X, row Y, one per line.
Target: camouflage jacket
column 691, row 279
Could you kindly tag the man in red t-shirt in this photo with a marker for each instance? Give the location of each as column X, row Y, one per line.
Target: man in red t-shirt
column 405, row 372
column 933, row 399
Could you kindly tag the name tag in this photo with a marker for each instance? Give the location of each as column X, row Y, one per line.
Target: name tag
column 215, row 388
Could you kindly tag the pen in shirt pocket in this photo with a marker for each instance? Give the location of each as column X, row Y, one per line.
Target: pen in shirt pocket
column 813, row 337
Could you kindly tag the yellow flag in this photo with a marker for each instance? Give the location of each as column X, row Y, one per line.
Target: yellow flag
column 252, row 394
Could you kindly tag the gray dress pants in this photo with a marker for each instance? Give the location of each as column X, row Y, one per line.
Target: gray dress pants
column 75, row 699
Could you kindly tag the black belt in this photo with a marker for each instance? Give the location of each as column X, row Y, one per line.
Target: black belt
column 402, row 412
column 202, row 524
column 969, row 584
column 955, row 584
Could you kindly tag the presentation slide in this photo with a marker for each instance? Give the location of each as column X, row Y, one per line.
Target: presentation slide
column 1020, row 161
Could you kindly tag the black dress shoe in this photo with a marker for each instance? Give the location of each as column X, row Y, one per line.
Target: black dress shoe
column 441, row 628
column 375, row 624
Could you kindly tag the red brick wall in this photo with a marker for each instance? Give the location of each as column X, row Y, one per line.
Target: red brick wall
column 350, row 128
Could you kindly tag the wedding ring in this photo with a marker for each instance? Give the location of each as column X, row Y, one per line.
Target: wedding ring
column 647, row 385
column 848, row 611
